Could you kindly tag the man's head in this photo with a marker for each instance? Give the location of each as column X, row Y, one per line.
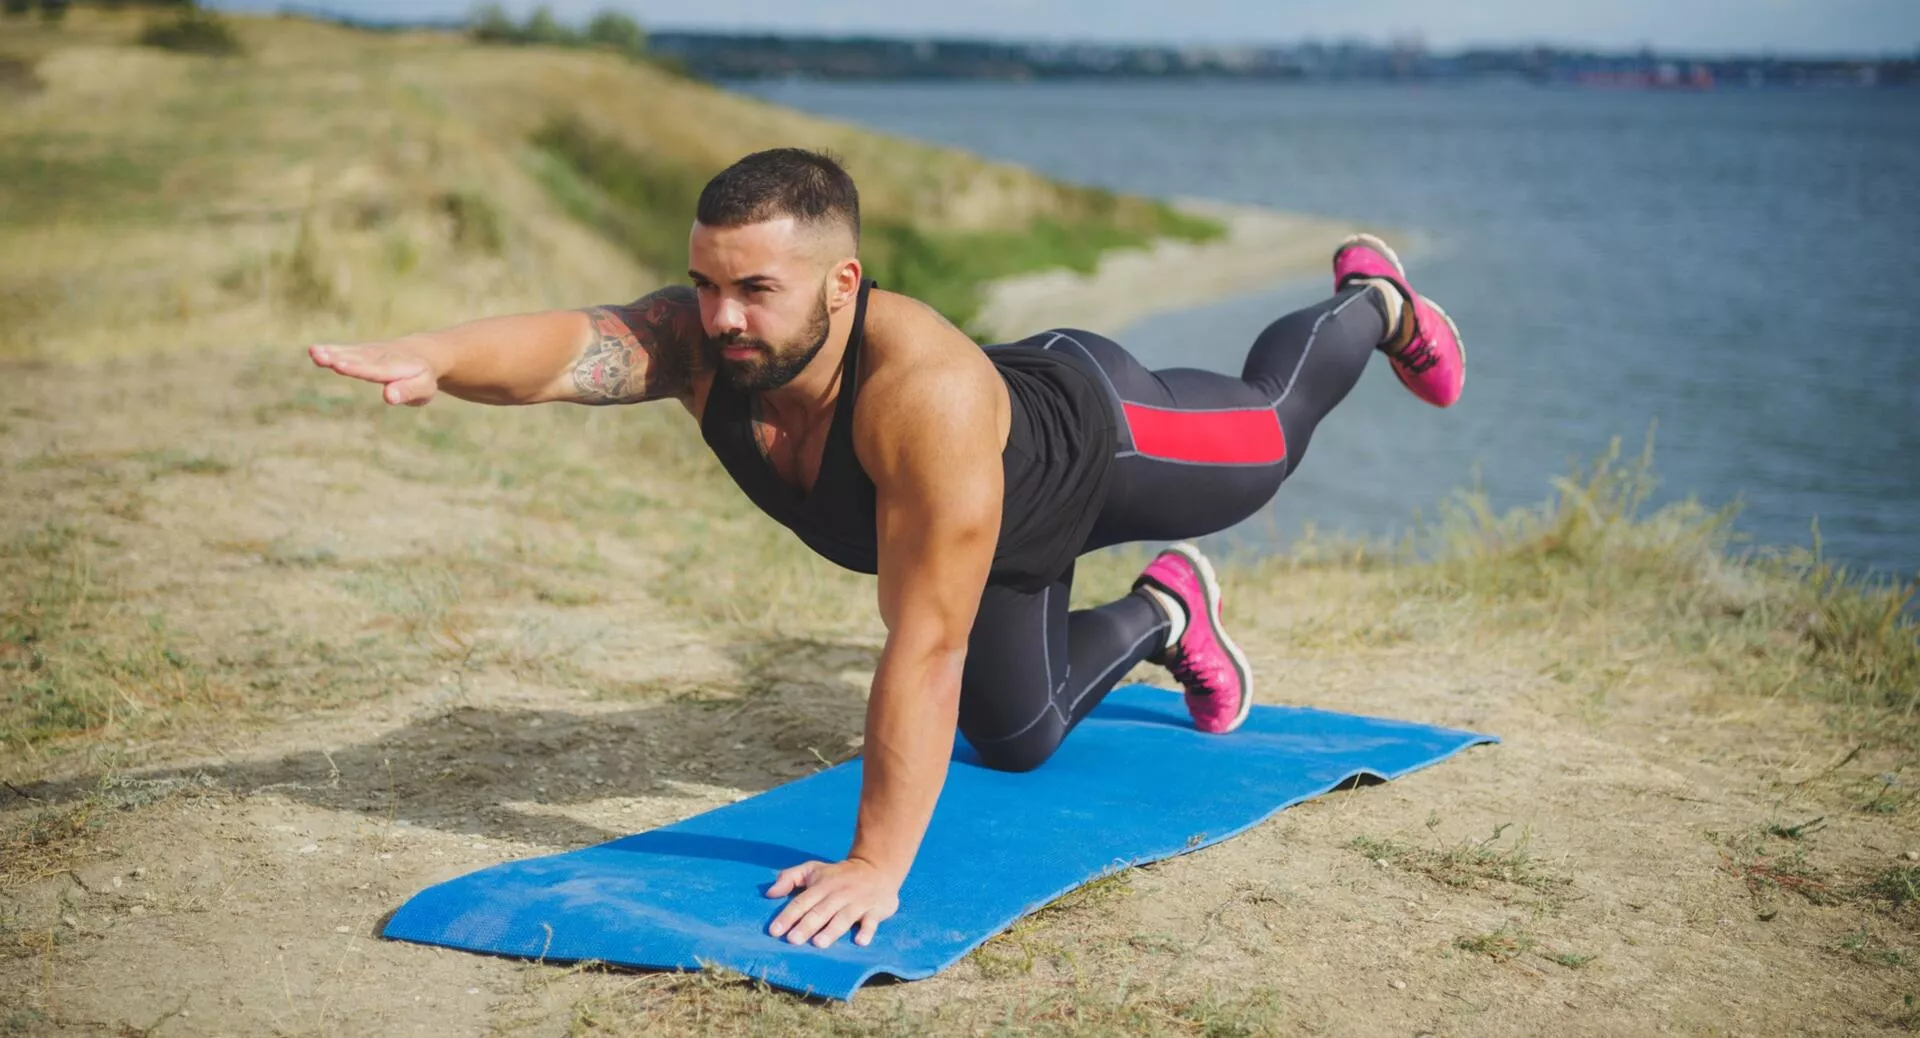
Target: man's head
column 772, row 259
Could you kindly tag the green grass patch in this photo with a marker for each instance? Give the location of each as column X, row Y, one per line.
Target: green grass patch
column 643, row 202
column 947, row 270
column 646, row 204
column 50, row 178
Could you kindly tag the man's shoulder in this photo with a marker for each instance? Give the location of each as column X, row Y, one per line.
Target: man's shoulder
column 903, row 322
column 928, row 385
column 911, row 350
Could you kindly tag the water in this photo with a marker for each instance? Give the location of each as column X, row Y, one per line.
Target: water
column 1742, row 269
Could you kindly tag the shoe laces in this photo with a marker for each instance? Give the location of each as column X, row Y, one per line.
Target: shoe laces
column 1194, row 678
column 1418, row 356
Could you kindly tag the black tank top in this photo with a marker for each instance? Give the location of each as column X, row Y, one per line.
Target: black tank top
column 1058, row 458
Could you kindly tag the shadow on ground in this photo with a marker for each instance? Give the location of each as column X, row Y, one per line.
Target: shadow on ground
column 478, row 770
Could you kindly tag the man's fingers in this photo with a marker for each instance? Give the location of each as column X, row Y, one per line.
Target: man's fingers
column 869, row 922
column 795, row 909
column 791, row 879
column 837, row 927
column 413, row 391
column 817, row 917
column 372, row 363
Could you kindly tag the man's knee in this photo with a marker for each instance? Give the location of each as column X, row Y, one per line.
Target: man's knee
column 1015, row 754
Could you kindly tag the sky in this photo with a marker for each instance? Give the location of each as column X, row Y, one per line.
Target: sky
column 1869, row 27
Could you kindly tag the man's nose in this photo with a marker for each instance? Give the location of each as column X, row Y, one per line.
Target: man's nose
column 729, row 318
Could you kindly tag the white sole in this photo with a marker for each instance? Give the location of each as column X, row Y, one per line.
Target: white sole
column 1378, row 246
column 1210, row 584
column 1459, row 341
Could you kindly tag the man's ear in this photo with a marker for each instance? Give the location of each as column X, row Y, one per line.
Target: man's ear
column 843, row 282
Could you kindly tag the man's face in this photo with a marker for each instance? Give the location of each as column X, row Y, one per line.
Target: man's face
column 763, row 291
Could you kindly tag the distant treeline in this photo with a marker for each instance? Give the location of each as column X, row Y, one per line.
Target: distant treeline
column 612, row 29
column 607, row 30
column 54, row 10
column 747, row 56
column 192, row 29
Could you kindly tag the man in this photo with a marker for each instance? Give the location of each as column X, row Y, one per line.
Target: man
column 968, row 478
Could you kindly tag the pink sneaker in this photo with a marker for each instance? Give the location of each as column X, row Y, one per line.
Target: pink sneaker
column 1434, row 364
column 1218, row 681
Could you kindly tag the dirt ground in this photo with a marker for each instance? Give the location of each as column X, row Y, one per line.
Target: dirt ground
column 404, row 645
column 273, row 659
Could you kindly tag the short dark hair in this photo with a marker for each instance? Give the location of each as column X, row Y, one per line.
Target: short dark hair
column 810, row 186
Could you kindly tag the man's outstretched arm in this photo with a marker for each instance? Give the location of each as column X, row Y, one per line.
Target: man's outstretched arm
column 645, row 350
column 937, row 472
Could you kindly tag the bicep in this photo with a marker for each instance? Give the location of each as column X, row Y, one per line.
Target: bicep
column 646, row 350
column 938, row 520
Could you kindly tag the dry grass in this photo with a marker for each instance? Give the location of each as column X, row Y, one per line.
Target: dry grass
column 1609, row 581
column 724, row 1004
column 216, row 547
column 1471, row 864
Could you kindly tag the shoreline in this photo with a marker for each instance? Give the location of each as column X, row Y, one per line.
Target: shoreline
column 1263, row 248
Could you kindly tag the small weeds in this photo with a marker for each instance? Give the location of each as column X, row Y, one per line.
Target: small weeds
column 1768, row 873
column 1470, row 864
column 1797, row 832
column 194, row 31
column 476, row 222
column 1886, row 795
column 72, row 656
column 1014, row 951
column 1502, row 945
column 17, row 76
column 168, row 462
column 57, row 837
column 1868, row 949
column 47, row 842
column 1891, row 889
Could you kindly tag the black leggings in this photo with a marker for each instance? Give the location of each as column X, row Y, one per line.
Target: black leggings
column 1199, row 451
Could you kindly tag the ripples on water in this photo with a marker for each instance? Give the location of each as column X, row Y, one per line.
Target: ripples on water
column 1742, row 268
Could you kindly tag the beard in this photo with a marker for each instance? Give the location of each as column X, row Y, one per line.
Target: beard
column 774, row 365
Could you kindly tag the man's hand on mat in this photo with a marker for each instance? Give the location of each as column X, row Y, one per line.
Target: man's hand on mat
column 837, row 895
column 408, row 374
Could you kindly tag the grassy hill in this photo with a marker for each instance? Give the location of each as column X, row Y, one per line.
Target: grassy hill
column 333, row 183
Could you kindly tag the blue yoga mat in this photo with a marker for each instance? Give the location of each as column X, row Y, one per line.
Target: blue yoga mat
column 1134, row 783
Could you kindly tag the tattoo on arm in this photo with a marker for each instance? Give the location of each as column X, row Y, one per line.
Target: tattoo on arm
column 646, row 350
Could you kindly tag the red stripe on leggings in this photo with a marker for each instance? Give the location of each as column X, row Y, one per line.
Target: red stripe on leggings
column 1248, row 437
